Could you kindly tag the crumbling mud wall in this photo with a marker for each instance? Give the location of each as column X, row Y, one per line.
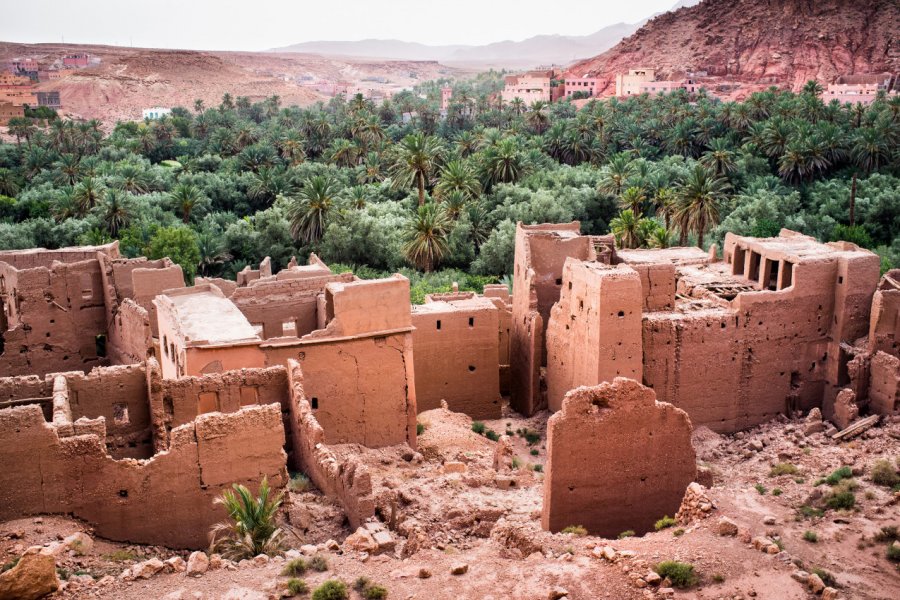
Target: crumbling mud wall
column 884, row 385
column 166, row 500
column 617, row 460
column 358, row 365
column 594, row 333
column 347, row 481
column 130, row 336
column 884, row 324
column 541, row 252
column 457, row 354
column 498, row 293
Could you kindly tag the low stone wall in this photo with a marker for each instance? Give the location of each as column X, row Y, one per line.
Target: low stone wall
column 167, row 499
column 348, row 482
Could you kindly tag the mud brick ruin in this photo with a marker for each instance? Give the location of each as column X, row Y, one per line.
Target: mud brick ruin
column 120, row 386
column 615, row 423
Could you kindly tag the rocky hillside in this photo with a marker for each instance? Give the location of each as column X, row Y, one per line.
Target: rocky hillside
column 762, row 41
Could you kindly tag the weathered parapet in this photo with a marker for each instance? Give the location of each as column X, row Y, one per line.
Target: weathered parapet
column 541, row 252
column 456, row 351
column 594, row 334
column 347, row 481
column 884, row 323
column 499, row 295
column 130, row 339
column 618, row 460
column 122, row 498
column 884, row 385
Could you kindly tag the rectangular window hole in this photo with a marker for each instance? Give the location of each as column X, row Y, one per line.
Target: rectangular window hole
column 314, row 403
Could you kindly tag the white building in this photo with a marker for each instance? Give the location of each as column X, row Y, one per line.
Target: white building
column 157, row 112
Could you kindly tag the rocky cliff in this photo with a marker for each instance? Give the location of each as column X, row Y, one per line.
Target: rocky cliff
column 761, row 41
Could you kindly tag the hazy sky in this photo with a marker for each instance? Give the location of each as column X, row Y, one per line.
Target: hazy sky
column 263, row 24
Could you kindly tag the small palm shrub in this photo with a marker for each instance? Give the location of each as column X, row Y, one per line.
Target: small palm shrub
column 251, row 528
column 883, row 473
column 478, row 427
column 294, row 567
column 810, row 536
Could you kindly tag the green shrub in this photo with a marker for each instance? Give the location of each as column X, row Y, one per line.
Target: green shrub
column 680, row 574
column 664, row 523
column 420, row 429
column 361, row 583
column 718, row 578
column 838, row 475
column 532, row 437
column 375, row 592
column 893, row 553
column 294, row 567
column 626, row 534
column 810, row 512
column 534, row 452
column 678, row 532
column 761, row 489
column 318, row 563
column 777, row 492
column 810, row 536
column 331, row 590
column 826, row 577
column 538, row 468
column 9, row 565
column 887, row 534
column 516, row 463
column 299, row 483
column 478, row 427
column 492, row 435
column 297, row 587
column 575, row 530
column 783, row 469
column 840, row 500
column 883, row 473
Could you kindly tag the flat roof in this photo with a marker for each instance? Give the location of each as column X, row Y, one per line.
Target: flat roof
column 679, row 255
column 205, row 317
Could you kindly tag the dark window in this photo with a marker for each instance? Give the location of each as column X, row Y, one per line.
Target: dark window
column 315, row 403
column 471, row 321
column 439, row 324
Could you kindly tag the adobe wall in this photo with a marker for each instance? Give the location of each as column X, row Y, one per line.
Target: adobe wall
column 499, row 295
column 276, row 303
column 594, row 333
column 130, row 337
column 457, row 356
column 121, row 499
column 54, row 314
column 600, row 429
column 347, row 481
column 540, row 253
column 362, row 390
column 884, row 385
column 884, row 324
column 148, row 283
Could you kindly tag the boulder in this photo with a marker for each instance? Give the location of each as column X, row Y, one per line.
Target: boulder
column 815, row 583
column 197, row 564
column 360, row 541
column 459, row 569
column 726, row 527
column 176, row 564
column 80, row 543
column 147, row 569
column 33, row 577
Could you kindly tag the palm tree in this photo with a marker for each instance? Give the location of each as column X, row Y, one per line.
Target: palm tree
column 21, row 127
column 417, row 157
column 358, row 196
column 87, row 194
column 625, row 228
column 212, row 251
column 633, row 199
column 871, row 149
column 517, row 105
column 454, row 202
column 503, row 163
column 116, row 212
column 198, row 106
column 699, row 198
column 344, row 153
column 615, row 175
column 803, row 159
column 537, row 117
column 308, row 211
column 813, row 88
column 185, row 198
column 252, row 529
column 458, row 175
column 426, row 236
column 720, row 158
column 9, row 182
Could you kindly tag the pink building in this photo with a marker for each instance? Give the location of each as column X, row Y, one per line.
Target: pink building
column 23, row 64
column 77, row 60
column 858, row 89
column 643, row 81
column 588, row 85
column 529, row 87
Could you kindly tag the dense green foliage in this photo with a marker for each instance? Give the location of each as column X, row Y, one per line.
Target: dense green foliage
column 392, row 186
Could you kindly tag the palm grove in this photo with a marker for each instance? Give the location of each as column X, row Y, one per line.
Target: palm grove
column 399, row 187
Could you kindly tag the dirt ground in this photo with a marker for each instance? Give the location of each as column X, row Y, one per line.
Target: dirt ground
column 448, row 506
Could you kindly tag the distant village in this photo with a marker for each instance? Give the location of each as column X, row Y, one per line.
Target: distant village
column 21, row 79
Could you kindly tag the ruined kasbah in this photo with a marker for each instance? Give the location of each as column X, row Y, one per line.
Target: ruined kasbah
column 614, row 412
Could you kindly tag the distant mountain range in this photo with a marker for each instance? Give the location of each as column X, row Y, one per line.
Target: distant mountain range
column 538, row 50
